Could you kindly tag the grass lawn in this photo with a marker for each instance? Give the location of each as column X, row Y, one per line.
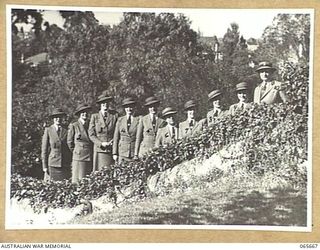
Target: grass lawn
column 225, row 202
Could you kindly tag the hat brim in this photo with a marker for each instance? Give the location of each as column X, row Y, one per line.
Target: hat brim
column 128, row 104
column 170, row 113
column 105, row 99
column 152, row 102
column 215, row 96
column 265, row 67
column 189, row 107
column 81, row 110
column 57, row 114
column 241, row 89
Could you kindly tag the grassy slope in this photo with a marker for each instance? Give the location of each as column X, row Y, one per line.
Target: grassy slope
column 226, row 201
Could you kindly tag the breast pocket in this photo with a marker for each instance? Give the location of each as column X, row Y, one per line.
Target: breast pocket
column 99, row 128
column 149, row 131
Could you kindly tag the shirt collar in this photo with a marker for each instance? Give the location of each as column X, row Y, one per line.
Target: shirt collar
column 216, row 109
column 82, row 121
column 153, row 115
column 189, row 120
column 104, row 113
column 56, row 127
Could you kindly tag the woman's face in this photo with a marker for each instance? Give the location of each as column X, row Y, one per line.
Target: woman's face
column 152, row 109
column 128, row 110
column 265, row 75
column 216, row 103
column 84, row 115
column 104, row 106
column 57, row 120
column 242, row 96
column 190, row 113
column 170, row 120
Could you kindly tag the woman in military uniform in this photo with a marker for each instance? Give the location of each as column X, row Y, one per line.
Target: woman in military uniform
column 216, row 112
column 124, row 138
column 268, row 91
column 166, row 135
column 55, row 154
column 101, row 131
column 148, row 127
column 191, row 126
column 80, row 144
column 242, row 89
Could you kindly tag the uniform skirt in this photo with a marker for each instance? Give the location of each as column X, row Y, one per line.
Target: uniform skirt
column 80, row 169
column 101, row 160
column 123, row 158
column 60, row 173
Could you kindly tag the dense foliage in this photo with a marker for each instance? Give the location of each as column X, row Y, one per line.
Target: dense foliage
column 273, row 139
column 272, row 136
column 286, row 39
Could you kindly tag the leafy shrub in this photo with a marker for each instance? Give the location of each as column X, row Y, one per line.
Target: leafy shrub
column 273, row 138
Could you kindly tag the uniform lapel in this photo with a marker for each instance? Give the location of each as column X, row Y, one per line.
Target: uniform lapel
column 54, row 133
column 149, row 122
column 82, row 130
column 268, row 89
column 125, row 124
column 108, row 120
column 101, row 120
column 63, row 133
column 134, row 122
column 158, row 123
column 168, row 131
column 194, row 125
column 176, row 132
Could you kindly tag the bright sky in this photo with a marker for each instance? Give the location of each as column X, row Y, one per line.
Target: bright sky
column 209, row 22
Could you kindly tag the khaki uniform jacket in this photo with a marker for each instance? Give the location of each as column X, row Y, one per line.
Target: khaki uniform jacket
column 124, row 140
column 102, row 131
column 186, row 131
column 271, row 95
column 79, row 142
column 238, row 107
column 211, row 116
column 54, row 149
column 164, row 136
column 146, row 135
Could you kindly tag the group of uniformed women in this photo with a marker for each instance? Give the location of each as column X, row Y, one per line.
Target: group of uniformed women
column 89, row 146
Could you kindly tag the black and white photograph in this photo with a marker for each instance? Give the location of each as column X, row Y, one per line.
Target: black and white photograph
column 154, row 118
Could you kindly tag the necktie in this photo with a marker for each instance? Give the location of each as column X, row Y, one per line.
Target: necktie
column 153, row 121
column 104, row 114
column 173, row 134
column 216, row 113
column 241, row 106
column 59, row 131
column 263, row 88
column 86, row 126
column 191, row 123
column 129, row 122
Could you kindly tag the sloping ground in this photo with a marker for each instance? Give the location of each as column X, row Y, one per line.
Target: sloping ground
column 224, row 202
column 212, row 193
column 208, row 192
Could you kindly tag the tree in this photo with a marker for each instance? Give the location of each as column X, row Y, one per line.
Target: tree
column 234, row 67
column 157, row 54
column 26, row 16
column 79, row 68
column 287, row 39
